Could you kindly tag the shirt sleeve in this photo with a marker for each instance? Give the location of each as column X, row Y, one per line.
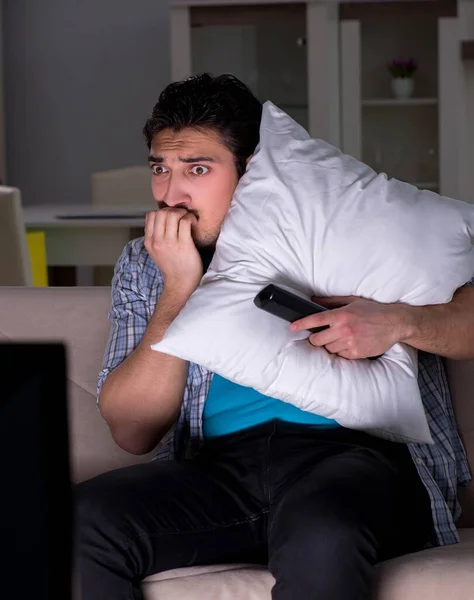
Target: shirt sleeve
column 128, row 314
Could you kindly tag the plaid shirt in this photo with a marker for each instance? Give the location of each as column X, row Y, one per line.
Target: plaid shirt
column 136, row 287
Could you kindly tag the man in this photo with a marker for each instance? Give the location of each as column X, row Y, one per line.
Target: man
column 252, row 479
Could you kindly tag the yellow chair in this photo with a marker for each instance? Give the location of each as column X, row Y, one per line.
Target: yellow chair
column 37, row 250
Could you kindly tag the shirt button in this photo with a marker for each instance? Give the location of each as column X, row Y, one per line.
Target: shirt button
column 418, row 461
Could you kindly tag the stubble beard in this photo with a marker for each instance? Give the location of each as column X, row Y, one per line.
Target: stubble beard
column 205, row 239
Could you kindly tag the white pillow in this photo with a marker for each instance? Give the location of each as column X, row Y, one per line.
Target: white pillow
column 309, row 217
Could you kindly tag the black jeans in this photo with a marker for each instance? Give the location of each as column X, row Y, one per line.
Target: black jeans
column 320, row 507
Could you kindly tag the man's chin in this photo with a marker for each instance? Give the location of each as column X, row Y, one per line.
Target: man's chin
column 205, row 245
column 204, row 241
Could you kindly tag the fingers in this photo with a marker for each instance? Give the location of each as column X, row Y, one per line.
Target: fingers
column 150, row 225
column 336, row 347
column 349, row 354
column 339, row 346
column 159, row 225
column 317, row 320
column 172, row 217
column 185, row 227
column 155, row 225
column 323, row 338
column 163, row 224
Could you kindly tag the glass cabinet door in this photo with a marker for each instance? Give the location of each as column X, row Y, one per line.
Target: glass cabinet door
column 264, row 46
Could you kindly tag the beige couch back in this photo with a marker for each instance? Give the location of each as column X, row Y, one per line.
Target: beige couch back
column 78, row 316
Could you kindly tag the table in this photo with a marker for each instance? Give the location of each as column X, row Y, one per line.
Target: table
column 85, row 235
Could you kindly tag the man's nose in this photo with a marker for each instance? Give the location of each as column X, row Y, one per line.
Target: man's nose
column 176, row 196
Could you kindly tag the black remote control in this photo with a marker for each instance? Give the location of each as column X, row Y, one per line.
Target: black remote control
column 290, row 307
column 287, row 306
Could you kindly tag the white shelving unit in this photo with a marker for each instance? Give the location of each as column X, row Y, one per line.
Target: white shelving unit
column 326, row 64
column 416, row 139
column 400, row 137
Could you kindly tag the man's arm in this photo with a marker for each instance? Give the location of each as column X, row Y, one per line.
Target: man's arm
column 361, row 327
column 141, row 397
column 444, row 329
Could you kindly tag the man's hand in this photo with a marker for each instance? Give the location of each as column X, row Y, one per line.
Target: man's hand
column 169, row 242
column 358, row 327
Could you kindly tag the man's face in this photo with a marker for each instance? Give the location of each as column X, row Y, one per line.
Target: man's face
column 193, row 169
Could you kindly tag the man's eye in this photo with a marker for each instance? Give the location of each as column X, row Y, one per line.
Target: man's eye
column 158, row 169
column 200, row 170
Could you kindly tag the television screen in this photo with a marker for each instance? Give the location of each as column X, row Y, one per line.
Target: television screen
column 35, row 486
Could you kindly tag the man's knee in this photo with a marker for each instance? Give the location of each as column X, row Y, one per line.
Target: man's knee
column 320, row 548
column 101, row 514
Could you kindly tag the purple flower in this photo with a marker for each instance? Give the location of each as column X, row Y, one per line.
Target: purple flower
column 402, row 67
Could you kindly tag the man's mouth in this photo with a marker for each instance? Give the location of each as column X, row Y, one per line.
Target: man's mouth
column 189, row 210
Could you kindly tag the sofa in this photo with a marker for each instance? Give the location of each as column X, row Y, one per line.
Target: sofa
column 78, row 316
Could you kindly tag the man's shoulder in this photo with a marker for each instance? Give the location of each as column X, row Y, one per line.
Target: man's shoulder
column 139, row 262
column 135, row 251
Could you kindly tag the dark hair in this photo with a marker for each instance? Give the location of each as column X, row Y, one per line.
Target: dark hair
column 222, row 103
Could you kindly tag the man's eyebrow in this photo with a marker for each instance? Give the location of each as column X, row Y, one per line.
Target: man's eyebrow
column 184, row 159
column 197, row 159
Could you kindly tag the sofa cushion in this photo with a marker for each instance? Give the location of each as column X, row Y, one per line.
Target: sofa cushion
column 434, row 574
column 216, row 582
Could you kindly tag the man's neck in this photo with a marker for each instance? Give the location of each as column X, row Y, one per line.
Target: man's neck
column 206, row 256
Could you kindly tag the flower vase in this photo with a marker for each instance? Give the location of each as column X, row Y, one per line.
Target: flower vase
column 402, row 87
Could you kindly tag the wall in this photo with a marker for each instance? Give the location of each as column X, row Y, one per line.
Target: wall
column 81, row 77
column 2, row 126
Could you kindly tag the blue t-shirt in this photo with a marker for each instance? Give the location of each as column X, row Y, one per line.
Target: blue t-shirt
column 231, row 407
